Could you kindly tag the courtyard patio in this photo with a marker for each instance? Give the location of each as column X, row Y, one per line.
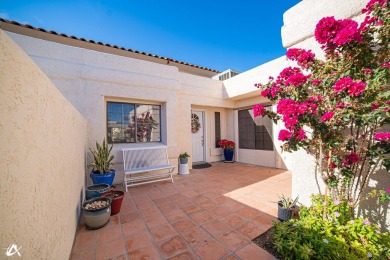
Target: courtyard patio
column 211, row 213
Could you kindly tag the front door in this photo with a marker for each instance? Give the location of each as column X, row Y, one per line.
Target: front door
column 197, row 129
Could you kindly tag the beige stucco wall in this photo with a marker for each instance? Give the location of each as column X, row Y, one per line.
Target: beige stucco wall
column 89, row 78
column 43, row 171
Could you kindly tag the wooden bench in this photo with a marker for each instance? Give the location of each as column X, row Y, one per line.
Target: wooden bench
column 146, row 165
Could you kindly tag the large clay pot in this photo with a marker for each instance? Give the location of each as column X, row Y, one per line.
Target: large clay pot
column 97, row 218
column 117, row 197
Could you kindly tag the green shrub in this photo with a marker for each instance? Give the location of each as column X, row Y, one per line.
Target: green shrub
column 337, row 236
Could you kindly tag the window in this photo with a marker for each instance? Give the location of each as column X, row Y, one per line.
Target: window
column 254, row 133
column 217, row 128
column 133, row 123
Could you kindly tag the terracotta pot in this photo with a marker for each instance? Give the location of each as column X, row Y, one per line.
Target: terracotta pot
column 117, row 197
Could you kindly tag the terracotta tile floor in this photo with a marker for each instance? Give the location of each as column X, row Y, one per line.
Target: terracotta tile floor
column 211, row 213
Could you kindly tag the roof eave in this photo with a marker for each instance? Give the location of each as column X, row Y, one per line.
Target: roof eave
column 52, row 36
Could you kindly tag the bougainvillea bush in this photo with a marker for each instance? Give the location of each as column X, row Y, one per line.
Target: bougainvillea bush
column 336, row 108
column 337, row 235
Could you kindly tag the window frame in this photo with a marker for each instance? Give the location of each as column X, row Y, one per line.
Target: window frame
column 135, row 104
column 255, row 133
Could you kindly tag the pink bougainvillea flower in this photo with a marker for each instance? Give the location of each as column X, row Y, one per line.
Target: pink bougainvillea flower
column 316, row 82
column 326, row 30
column 284, row 135
column 258, row 110
column 317, row 98
column 348, row 32
column 300, row 134
column 368, row 71
column 365, row 24
column 352, row 158
column 386, row 65
column 342, row 105
column 379, row 23
column 285, row 74
column 374, row 106
column 332, row 33
column 297, row 79
column 275, row 90
column 265, row 92
column 304, row 58
column 382, row 136
column 354, row 88
column 388, row 102
column 371, row 4
column 342, row 84
column 327, row 116
column 388, row 190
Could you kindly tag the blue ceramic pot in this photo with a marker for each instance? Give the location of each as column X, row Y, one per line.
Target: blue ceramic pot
column 228, row 155
column 96, row 190
column 106, row 178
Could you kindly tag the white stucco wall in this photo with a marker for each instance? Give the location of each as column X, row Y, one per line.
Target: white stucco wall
column 300, row 20
column 43, row 171
column 89, row 78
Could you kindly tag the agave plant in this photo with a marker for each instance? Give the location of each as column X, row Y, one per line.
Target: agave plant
column 102, row 158
column 287, row 203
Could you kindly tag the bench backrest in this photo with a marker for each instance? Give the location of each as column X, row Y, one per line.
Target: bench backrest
column 141, row 157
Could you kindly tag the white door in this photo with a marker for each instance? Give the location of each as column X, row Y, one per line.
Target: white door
column 197, row 129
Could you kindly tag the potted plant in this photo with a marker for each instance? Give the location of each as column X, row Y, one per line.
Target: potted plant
column 183, row 168
column 228, row 149
column 286, row 206
column 116, row 197
column 96, row 212
column 184, row 158
column 96, row 190
column 102, row 172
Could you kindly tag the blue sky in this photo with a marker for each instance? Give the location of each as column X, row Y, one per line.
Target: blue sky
column 215, row 34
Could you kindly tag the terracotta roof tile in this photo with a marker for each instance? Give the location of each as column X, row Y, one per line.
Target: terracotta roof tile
column 104, row 44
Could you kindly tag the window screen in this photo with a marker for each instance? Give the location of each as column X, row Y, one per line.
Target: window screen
column 254, row 133
column 217, row 128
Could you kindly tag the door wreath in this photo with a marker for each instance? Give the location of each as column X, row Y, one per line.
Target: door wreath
column 195, row 125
